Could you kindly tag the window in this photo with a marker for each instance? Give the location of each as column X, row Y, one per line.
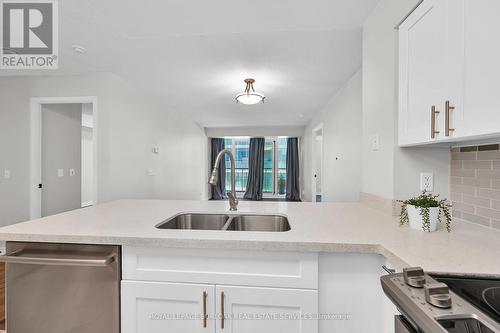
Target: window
column 239, row 147
column 274, row 164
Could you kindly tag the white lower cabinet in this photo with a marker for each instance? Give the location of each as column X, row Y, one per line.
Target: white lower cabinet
column 266, row 310
column 157, row 307
column 154, row 307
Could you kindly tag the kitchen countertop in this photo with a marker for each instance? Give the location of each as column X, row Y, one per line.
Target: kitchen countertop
column 325, row 227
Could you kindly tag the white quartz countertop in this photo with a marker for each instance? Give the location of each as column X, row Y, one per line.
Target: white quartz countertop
column 326, row 227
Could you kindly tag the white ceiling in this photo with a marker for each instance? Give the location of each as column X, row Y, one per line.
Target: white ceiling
column 194, row 54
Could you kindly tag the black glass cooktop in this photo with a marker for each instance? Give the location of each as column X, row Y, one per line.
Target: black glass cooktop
column 484, row 294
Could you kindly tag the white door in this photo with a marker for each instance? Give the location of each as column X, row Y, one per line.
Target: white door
column 266, row 310
column 153, row 307
column 482, row 67
column 430, row 63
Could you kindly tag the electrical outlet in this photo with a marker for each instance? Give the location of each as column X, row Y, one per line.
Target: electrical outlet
column 6, row 174
column 72, row 172
column 427, row 181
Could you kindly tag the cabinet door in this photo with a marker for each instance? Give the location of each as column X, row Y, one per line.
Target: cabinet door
column 152, row 307
column 482, row 67
column 429, row 66
column 266, row 310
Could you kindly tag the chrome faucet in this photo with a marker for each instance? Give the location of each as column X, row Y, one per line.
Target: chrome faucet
column 214, row 178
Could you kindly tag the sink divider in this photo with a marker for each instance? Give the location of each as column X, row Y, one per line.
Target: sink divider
column 228, row 223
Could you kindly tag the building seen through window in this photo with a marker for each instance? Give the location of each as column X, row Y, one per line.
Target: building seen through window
column 274, row 164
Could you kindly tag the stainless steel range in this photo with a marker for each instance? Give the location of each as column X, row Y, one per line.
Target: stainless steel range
column 438, row 303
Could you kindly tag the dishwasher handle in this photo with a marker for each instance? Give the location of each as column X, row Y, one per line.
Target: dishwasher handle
column 32, row 259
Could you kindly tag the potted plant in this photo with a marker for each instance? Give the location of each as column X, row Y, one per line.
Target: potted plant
column 281, row 185
column 425, row 212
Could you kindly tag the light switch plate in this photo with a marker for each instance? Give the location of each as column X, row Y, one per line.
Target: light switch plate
column 427, row 181
column 60, row 172
column 376, row 142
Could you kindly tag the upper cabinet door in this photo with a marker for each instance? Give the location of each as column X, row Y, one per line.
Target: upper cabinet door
column 266, row 310
column 153, row 307
column 482, row 67
column 429, row 66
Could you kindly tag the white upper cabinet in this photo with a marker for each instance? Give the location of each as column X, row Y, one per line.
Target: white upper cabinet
column 482, row 67
column 448, row 59
column 429, row 49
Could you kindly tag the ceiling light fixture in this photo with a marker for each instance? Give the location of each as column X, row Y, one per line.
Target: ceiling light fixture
column 249, row 96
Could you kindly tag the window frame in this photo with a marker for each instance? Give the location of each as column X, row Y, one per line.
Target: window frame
column 275, row 163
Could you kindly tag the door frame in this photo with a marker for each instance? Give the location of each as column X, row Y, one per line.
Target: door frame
column 36, row 104
column 313, row 159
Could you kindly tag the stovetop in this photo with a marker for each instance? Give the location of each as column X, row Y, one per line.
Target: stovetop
column 484, row 294
column 445, row 304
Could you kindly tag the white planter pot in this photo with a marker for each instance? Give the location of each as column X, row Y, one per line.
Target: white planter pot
column 416, row 220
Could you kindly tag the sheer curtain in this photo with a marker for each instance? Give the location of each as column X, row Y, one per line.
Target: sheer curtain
column 255, row 183
column 292, row 170
column 219, row 191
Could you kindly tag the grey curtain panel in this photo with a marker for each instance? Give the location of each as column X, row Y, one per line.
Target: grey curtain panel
column 219, row 191
column 292, row 170
column 255, row 183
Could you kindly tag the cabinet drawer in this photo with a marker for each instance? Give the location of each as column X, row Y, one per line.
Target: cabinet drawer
column 230, row 267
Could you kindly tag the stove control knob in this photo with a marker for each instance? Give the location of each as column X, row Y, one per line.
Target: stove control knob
column 438, row 294
column 414, row 276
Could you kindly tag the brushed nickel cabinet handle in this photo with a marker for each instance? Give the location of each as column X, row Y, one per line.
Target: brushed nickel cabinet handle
column 205, row 309
column 448, row 108
column 222, row 296
column 434, row 111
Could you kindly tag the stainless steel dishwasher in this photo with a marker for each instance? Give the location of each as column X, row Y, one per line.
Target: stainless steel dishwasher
column 62, row 288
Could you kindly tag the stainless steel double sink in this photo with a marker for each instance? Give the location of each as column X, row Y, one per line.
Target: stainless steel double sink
column 227, row 222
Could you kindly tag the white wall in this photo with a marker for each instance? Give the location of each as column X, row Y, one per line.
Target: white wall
column 262, row 131
column 130, row 124
column 341, row 171
column 391, row 172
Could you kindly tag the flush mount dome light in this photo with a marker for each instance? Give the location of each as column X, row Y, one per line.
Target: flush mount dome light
column 249, row 96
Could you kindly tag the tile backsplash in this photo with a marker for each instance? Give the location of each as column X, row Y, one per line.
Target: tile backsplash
column 475, row 184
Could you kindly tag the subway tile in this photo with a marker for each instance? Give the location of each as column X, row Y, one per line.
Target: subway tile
column 483, row 165
column 456, row 197
column 476, row 219
column 464, row 208
column 488, row 155
column 456, row 213
column 462, row 189
column 495, row 184
column 495, row 204
column 462, row 173
column 496, row 165
column 486, row 212
column 492, row 194
column 457, row 164
column 495, row 224
column 494, row 146
column 464, row 156
column 493, row 174
column 456, row 180
column 477, row 182
column 483, row 202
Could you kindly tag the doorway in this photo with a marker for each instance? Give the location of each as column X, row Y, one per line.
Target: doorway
column 63, row 155
column 317, row 163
